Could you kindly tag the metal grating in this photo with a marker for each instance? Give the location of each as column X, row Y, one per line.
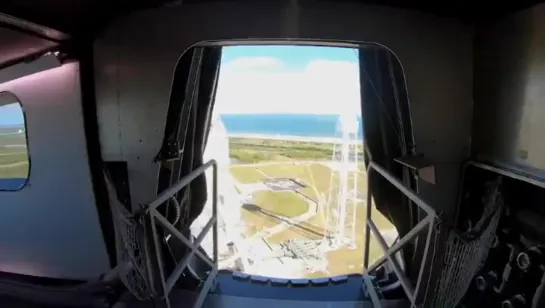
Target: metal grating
column 129, row 241
column 414, row 294
column 463, row 259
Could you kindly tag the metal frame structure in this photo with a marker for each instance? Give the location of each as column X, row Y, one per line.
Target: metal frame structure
column 162, row 285
column 389, row 252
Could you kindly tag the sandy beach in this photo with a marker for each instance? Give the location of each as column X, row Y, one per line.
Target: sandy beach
column 287, row 138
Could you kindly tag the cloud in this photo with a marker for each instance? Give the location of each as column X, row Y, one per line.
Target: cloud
column 243, row 63
column 321, row 87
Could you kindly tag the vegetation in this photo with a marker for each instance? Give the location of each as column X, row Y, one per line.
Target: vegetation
column 247, row 150
column 247, row 175
column 280, row 203
column 316, row 177
column 14, row 161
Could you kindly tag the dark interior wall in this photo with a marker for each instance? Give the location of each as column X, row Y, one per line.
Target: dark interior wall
column 508, row 126
column 136, row 57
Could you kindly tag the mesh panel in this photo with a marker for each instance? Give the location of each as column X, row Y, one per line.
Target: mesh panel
column 462, row 260
column 129, row 239
column 130, row 249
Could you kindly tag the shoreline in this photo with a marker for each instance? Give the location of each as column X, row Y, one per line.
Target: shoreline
column 286, row 138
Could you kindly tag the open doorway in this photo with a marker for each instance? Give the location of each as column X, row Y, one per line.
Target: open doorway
column 287, row 133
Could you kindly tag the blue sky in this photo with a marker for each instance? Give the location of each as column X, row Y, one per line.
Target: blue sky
column 294, row 57
column 288, row 79
column 11, row 115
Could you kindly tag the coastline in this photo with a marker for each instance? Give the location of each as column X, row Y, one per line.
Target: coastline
column 285, row 138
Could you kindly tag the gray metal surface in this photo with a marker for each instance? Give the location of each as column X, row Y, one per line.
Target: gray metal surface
column 19, row 70
column 50, row 228
column 508, row 123
column 136, row 58
column 15, row 45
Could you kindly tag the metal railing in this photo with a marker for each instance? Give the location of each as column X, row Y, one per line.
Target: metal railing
column 389, row 252
column 164, row 285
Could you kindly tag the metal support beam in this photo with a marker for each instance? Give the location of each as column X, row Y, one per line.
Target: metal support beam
column 413, row 294
column 167, row 284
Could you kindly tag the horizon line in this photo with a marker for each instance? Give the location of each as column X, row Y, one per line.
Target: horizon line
column 288, row 114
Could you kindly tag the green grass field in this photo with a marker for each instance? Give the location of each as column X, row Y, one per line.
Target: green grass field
column 247, row 150
column 281, row 203
column 14, row 161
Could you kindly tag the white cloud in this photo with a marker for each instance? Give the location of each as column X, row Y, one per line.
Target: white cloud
column 321, row 87
column 243, row 63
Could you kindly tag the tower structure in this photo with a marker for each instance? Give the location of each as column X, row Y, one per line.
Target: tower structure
column 343, row 184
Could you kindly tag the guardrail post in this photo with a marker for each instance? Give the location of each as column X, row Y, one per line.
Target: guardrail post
column 389, row 252
column 162, row 285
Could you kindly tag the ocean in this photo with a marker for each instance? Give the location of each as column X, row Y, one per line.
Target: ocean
column 300, row 125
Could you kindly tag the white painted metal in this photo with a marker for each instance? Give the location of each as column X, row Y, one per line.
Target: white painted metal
column 343, row 192
column 50, row 228
column 167, row 283
column 414, row 294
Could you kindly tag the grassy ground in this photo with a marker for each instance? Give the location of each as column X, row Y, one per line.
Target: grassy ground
column 256, row 221
column 271, row 206
column 321, row 181
column 247, row 175
column 259, row 150
column 283, row 203
column 316, row 177
column 13, row 156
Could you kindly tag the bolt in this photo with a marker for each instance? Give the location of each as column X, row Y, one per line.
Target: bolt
column 519, row 300
column 523, row 261
column 480, row 282
column 495, row 241
column 507, row 304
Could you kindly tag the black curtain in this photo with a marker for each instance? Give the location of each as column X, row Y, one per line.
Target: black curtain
column 187, row 126
column 186, row 133
column 387, row 135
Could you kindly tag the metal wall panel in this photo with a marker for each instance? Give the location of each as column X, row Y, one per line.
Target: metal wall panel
column 14, row 45
column 50, row 228
column 509, row 122
column 137, row 55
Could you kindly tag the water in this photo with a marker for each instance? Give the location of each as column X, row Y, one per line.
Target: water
column 303, row 125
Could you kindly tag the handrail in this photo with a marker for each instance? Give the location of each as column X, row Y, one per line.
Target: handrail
column 389, row 252
column 183, row 182
column 155, row 217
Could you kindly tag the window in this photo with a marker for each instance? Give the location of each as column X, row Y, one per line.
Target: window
column 288, row 127
column 14, row 158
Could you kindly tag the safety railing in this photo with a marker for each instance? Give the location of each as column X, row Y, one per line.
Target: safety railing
column 163, row 285
column 413, row 294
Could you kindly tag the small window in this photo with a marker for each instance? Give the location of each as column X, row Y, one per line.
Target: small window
column 14, row 158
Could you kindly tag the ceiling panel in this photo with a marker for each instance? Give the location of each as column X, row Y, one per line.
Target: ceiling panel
column 83, row 17
column 15, row 45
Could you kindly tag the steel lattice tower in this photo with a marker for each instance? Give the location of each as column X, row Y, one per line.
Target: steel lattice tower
column 343, row 183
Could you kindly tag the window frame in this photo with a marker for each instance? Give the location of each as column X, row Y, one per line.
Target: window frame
column 6, row 98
